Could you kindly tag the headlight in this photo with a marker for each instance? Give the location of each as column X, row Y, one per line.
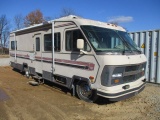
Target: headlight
column 117, row 75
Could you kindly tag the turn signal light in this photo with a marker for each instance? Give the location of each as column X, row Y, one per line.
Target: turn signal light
column 116, row 81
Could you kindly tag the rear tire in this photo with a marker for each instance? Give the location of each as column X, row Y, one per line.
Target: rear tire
column 85, row 93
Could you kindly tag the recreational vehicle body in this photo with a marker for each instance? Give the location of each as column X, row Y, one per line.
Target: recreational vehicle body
column 90, row 57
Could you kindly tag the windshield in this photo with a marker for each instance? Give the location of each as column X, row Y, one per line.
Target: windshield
column 108, row 40
column 129, row 41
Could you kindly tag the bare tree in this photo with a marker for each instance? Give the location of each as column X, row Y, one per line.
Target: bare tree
column 5, row 37
column 34, row 17
column 19, row 21
column 66, row 12
column 3, row 24
column 4, row 31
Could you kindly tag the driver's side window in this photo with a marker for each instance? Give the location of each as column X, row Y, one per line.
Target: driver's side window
column 71, row 40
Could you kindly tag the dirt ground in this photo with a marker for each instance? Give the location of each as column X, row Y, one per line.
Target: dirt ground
column 4, row 56
column 21, row 101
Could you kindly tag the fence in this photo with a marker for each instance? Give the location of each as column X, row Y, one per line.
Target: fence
column 4, row 50
column 149, row 42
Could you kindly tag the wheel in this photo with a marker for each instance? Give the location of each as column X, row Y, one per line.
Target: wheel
column 85, row 93
column 26, row 72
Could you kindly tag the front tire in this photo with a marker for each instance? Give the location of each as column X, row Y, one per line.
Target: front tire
column 85, row 93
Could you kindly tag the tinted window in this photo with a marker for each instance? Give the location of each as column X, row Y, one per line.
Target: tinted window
column 57, row 42
column 13, row 45
column 48, row 42
column 37, row 44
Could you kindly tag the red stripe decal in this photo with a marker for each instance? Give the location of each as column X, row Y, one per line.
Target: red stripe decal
column 63, row 61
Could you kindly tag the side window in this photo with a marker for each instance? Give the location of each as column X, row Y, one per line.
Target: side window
column 48, row 42
column 13, row 44
column 37, row 44
column 57, row 42
column 71, row 40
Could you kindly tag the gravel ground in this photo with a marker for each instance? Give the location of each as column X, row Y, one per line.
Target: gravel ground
column 21, row 101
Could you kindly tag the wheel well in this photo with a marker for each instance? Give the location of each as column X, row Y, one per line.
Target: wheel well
column 77, row 80
column 25, row 65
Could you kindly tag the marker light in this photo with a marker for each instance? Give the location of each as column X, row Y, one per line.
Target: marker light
column 91, row 78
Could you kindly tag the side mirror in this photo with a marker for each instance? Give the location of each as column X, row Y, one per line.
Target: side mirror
column 80, row 44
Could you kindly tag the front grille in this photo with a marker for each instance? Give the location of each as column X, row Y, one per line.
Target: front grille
column 130, row 73
column 133, row 73
column 134, row 67
column 131, row 68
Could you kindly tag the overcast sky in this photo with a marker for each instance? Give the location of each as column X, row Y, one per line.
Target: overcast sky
column 135, row 15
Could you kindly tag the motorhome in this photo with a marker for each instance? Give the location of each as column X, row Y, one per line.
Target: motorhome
column 92, row 58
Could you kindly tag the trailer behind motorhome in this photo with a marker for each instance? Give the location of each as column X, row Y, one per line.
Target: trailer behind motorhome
column 90, row 57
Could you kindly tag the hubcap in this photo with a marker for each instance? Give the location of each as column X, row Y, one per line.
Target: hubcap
column 85, row 90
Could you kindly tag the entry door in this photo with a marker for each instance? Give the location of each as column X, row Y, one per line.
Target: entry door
column 38, row 53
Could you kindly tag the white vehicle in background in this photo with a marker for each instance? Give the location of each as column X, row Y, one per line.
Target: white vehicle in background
column 90, row 57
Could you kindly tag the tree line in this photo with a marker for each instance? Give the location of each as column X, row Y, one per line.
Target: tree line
column 19, row 21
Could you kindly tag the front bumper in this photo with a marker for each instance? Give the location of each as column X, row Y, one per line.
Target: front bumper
column 122, row 95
